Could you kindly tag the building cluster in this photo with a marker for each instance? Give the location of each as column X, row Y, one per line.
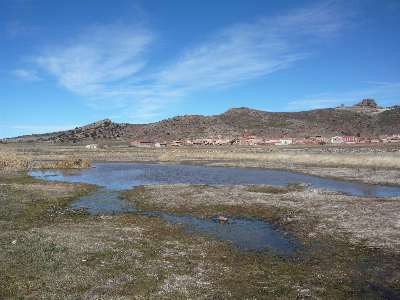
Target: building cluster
column 247, row 139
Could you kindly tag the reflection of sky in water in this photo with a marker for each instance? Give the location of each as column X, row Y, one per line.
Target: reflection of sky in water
column 253, row 236
column 103, row 201
column 118, row 176
column 256, row 236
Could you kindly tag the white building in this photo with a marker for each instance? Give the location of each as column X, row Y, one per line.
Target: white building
column 337, row 140
column 284, row 142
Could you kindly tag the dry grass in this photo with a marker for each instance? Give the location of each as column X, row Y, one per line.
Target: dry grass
column 368, row 157
column 14, row 161
column 68, row 164
column 11, row 160
column 375, row 160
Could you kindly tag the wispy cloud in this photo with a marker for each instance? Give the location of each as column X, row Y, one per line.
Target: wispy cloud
column 319, row 101
column 30, row 75
column 100, row 57
column 377, row 82
column 385, row 94
column 244, row 51
column 107, row 64
column 41, row 128
column 17, row 29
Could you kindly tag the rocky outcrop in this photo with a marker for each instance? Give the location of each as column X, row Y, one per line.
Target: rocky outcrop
column 367, row 103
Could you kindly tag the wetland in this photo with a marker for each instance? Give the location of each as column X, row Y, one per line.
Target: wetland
column 167, row 243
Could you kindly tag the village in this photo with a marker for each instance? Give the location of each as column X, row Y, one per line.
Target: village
column 249, row 140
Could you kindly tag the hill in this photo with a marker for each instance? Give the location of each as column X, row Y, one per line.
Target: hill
column 365, row 119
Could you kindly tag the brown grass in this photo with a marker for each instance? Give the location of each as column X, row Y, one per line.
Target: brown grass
column 14, row 161
column 381, row 160
column 11, row 160
column 68, row 164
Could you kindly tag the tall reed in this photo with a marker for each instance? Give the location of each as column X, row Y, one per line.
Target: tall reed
column 13, row 161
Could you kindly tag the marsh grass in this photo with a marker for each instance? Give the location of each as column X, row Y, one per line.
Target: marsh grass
column 374, row 160
column 353, row 157
column 14, row 161
column 70, row 163
column 135, row 256
column 57, row 255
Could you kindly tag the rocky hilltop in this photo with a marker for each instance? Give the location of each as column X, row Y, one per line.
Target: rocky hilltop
column 365, row 119
column 367, row 103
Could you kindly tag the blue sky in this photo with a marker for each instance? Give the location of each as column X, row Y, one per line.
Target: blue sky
column 69, row 63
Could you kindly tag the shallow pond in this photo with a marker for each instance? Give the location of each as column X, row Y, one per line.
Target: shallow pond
column 119, row 176
column 250, row 235
column 257, row 236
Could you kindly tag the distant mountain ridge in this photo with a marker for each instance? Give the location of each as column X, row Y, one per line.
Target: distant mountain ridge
column 364, row 119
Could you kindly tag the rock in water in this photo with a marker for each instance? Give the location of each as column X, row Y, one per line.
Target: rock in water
column 222, row 219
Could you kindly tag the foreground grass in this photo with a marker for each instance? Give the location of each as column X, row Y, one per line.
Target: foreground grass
column 48, row 251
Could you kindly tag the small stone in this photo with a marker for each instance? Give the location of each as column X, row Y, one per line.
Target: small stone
column 222, row 219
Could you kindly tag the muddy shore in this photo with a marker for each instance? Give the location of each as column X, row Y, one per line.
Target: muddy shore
column 351, row 244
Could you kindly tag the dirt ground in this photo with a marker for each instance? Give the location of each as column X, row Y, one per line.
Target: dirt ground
column 350, row 244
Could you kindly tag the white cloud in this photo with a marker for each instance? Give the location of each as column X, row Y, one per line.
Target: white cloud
column 246, row 51
column 107, row 63
column 385, row 94
column 30, row 75
column 101, row 56
column 41, row 128
column 320, row 102
column 17, row 29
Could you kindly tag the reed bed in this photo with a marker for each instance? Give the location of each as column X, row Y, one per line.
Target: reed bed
column 68, row 164
column 374, row 160
column 11, row 160
column 14, row 161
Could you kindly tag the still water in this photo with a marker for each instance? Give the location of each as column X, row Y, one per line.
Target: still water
column 119, row 176
column 251, row 235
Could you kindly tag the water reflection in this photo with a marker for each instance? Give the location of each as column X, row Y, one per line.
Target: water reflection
column 250, row 235
column 119, row 176
column 104, row 202
column 257, row 236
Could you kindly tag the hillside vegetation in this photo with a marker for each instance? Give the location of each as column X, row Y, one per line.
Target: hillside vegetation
column 368, row 122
